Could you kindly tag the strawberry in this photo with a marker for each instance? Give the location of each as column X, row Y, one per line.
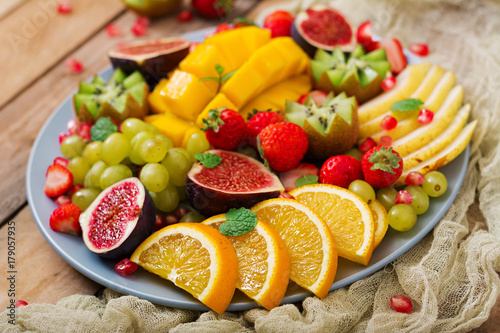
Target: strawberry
column 258, row 121
column 340, row 170
column 365, row 38
column 65, row 219
column 225, row 128
column 381, row 166
column 279, row 22
column 283, row 145
column 212, row 8
column 395, row 55
column 59, row 181
column 318, row 96
column 61, row 161
column 288, row 178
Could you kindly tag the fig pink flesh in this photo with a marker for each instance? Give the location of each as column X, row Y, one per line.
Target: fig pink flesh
column 109, row 220
column 223, row 177
column 327, row 27
column 150, row 48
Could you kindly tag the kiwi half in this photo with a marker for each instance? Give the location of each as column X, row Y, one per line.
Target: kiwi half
column 121, row 97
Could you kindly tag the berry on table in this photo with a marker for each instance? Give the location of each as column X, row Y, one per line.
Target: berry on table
column 125, row 267
column 64, row 7
column 21, row 303
column 112, row 30
column 73, row 66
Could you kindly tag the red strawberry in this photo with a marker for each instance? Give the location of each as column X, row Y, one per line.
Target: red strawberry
column 65, row 219
column 279, row 22
column 340, row 170
column 288, row 178
column 225, row 128
column 381, row 166
column 59, row 180
column 395, row 55
column 259, row 121
column 318, row 96
column 212, row 8
column 283, row 145
column 61, row 161
column 365, row 38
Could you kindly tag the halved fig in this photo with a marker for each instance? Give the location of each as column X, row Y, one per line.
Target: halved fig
column 322, row 27
column 153, row 58
column 119, row 219
column 238, row 181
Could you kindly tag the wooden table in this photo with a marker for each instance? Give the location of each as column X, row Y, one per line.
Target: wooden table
column 35, row 42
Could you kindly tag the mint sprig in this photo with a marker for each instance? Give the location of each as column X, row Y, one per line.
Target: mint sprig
column 238, row 222
column 221, row 79
column 306, row 180
column 409, row 104
column 208, row 160
column 102, row 128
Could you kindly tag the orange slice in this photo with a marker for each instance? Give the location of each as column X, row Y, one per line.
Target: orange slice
column 380, row 220
column 310, row 244
column 263, row 263
column 348, row 216
column 196, row 258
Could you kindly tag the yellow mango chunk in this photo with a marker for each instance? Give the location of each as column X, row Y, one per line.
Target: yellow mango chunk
column 219, row 101
column 156, row 101
column 243, row 86
column 268, row 63
column 185, row 96
column 170, row 125
column 296, row 60
column 238, row 44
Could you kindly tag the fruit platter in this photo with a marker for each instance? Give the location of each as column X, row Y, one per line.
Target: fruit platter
column 198, row 176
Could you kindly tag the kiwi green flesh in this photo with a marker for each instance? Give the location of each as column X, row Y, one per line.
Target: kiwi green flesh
column 87, row 88
column 98, row 81
column 89, row 101
column 132, row 80
column 318, row 68
column 296, row 113
column 375, row 55
column 117, row 77
column 381, row 67
column 358, row 52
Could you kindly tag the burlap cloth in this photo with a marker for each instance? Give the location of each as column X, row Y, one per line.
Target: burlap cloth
column 451, row 275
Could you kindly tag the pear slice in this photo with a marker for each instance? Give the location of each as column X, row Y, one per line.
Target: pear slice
column 439, row 143
column 426, row 133
column 443, row 157
column 407, row 82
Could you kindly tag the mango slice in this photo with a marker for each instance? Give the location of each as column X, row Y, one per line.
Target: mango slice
column 156, row 102
column 172, row 126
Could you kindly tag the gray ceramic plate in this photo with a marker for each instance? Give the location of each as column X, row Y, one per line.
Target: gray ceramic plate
column 148, row 286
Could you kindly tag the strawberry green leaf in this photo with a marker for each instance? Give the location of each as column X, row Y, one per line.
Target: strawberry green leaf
column 306, row 180
column 238, row 222
column 213, row 121
column 384, row 160
column 409, row 104
column 102, row 128
column 208, row 160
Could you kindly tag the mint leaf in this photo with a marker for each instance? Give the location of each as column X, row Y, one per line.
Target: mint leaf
column 306, row 180
column 208, row 160
column 102, row 128
column 238, row 222
column 219, row 69
column 226, row 77
column 409, row 104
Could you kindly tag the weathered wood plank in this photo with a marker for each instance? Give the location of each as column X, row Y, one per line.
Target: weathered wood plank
column 8, row 6
column 36, row 38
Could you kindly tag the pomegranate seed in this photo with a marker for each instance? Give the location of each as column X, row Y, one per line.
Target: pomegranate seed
column 401, row 303
column 286, row 195
column 388, row 123
column 62, row 136
column 62, row 200
column 84, row 131
column 385, row 141
column 139, row 30
column 388, row 83
column 414, row 178
column 61, row 161
column 425, row 116
column 21, row 303
column 72, row 127
column 185, row 16
column 144, row 21
column 74, row 189
column 113, row 30
column 419, row 49
column 404, row 197
column 125, row 267
column 73, row 66
column 181, row 211
column 64, row 7
column 193, row 46
column 160, row 221
column 222, row 27
column 171, row 219
column 366, row 145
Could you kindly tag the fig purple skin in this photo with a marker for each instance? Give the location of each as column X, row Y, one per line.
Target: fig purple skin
column 153, row 58
column 134, row 230
column 238, row 181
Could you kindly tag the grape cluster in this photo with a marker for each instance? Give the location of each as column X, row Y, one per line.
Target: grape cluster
column 139, row 149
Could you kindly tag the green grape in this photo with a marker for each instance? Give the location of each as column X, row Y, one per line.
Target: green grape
column 182, row 192
column 131, row 126
column 153, row 150
column 192, row 217
column 387, row 197
column 72, row 146
column 114, row 149
column 197, row 143
column 88, row 182
column 95, row 173
column 79, row 168
column 435, row 184
column 363, row 189
column 113, row 174
column 154, row 176
column 84, row 197
column 135, row 144
column 402, row 217
column 166, row 139
column 166, row 200
column 420, row 199
column 178, row 163
column 92, row 152
column 153, row 129
column 354, row 153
